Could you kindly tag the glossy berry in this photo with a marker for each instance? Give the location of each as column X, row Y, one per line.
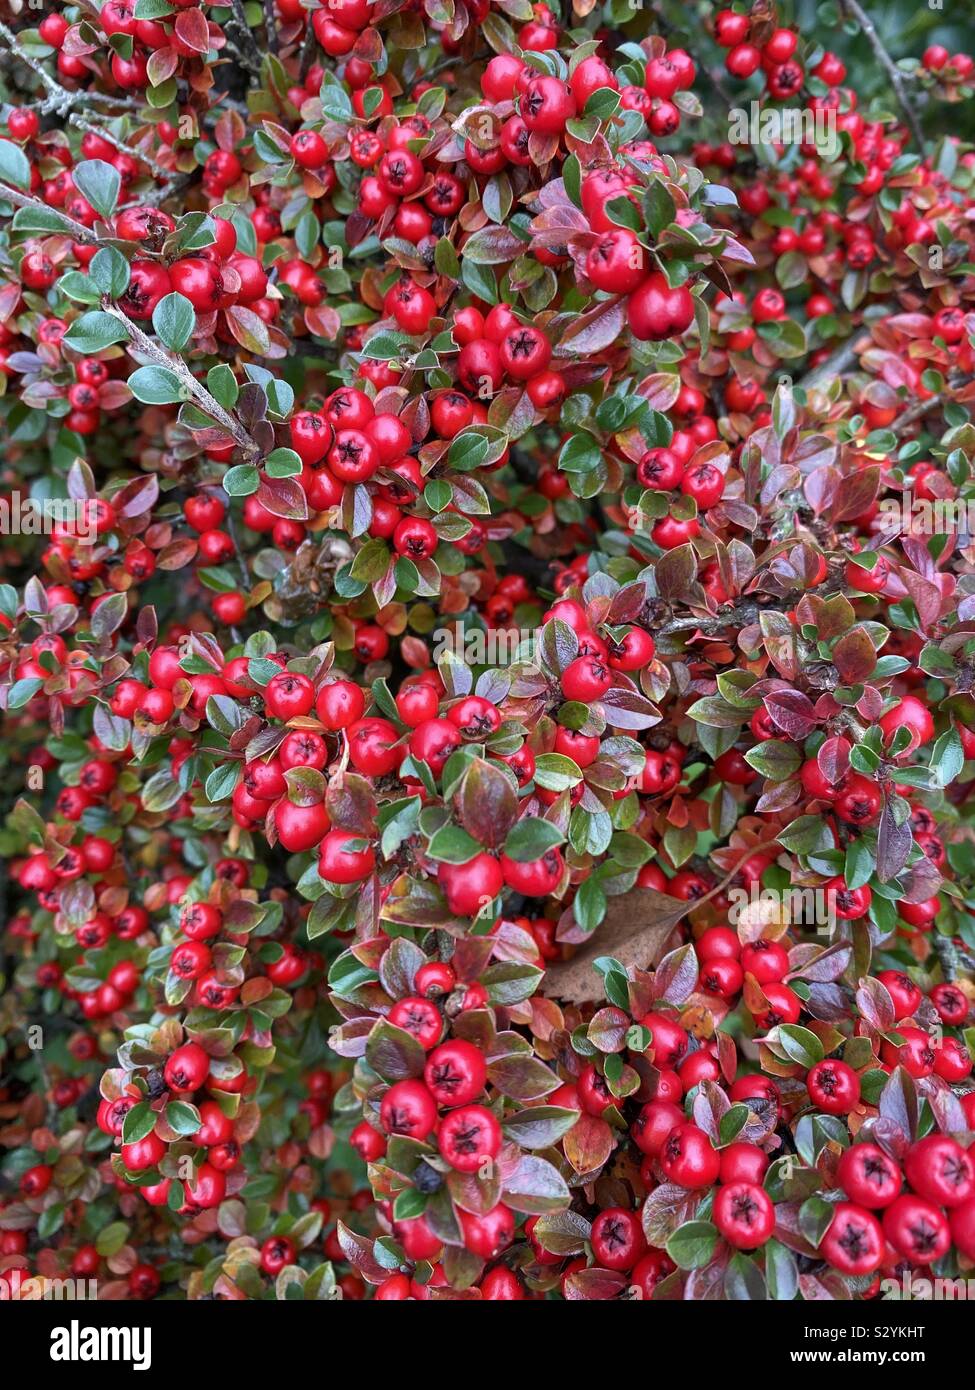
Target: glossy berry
column 744, row 1214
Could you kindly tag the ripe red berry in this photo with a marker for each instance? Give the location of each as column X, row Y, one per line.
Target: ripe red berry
column 655, row 310
column 455, row 1072
column 617, row 1238
column 409, row 1109
column 854, row 1242
column 469, row 1137
column 744, row 1214
column 688, row 1157
column 917, row 1229
column 833, row 1086
column 186, row 1069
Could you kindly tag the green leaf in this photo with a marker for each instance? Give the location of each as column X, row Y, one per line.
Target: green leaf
column 94, row 331
column 155, row 386
column 815, row 1219
column 51, row 1220
column 222, row 385
column 100, row 183
column 781, row 1272
column 659, row 207
column 692, row 1245
column 531, row 838
column 800, row 1044
column 224, row 715
column 437, row 494
column 589, row 906
column 732, row 1122
column 580, row 453
column 468, row 450
column 451, row 844
column 539, row 1126
column 774, row 759
column 174, row 320
column 23, row 691
column 383, row 347
column 947, row 757
column 743, row 1281
column 110, row 1239
column 807, row 834
column 445, row 259
column 183, row 1117
column 139, row 1122
column 14, row 165
column 39, row 220
column 603, row 103
column 556, row 772
column 282, row 463
column 371, row 562
column 81, row 288
column 242, row 480
column 222, row 781
column 492, row 246
column 110, row 271
column 480, row 280
column 408, row 1204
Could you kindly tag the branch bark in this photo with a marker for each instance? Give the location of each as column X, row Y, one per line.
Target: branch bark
column 53, row 88
column 82, row 123
column 838, row 362
column 857, row 12
column 921, row 408
column 72, row 228
column 741, row 615
column 270, row 25
column 250, row 54
column 307, row 51
column 843, row 356
column 160, row 357
column 59, row 98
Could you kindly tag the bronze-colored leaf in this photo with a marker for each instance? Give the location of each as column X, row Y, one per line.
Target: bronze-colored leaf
column 634, row 931
column 487, row 803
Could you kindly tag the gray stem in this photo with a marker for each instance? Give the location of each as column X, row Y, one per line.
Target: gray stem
column 857, row 12
column 144, row 345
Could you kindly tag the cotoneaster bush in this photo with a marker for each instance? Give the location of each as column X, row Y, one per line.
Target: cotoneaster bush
column 489, row 736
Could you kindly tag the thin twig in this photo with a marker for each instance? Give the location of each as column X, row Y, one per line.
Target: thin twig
column 271, row 27
column 145, row 346
column 740, row 616
column 58, row 98
column 857, row 12
column 23, row 200
column 175, row 183
column 947, row 956
column 307, row 51
column 54, row 88
column 839, row 360
column 231, row 526
column 919, row 409
column 82, row 123
column 251, row 56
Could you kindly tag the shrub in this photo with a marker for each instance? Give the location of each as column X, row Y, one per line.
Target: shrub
column 487, row 653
